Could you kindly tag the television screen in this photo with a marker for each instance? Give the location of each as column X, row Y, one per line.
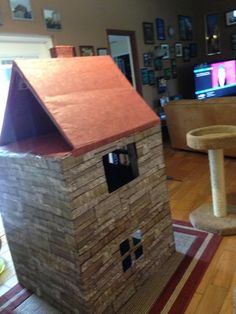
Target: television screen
column 215, row 79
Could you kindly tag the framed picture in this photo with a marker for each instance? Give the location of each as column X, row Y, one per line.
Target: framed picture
column 167, row 73
column 166, row 51
column 230, row 18
column 185, row 27
column 147, row 59
column 161, row 85
column 160, row 29
column 102, row 51
column 145, row 76
column 21, row 9
column 178, row 50
column 212, row 34
column 151, row 77
column 186, row 54
column 164, row 100
column 157, row 62
column 86, row 51
column 193, row 50
column 148, row 33
column 52, row 19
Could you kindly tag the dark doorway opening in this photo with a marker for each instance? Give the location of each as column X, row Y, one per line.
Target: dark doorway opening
column 123, row 49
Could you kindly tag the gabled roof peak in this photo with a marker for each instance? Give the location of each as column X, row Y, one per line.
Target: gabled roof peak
column 86, row 100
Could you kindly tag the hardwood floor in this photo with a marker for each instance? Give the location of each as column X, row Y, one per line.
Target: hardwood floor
column 188, row 188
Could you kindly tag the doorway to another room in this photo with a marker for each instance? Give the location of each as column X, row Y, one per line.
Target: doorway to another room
column 123, row 49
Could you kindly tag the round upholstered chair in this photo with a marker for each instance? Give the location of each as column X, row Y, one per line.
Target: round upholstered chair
column 218, row 217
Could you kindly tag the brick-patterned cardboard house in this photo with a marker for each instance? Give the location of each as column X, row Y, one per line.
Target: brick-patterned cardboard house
column 82, row 181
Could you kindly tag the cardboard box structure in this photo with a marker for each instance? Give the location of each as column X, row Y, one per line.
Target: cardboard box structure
column 83, row 185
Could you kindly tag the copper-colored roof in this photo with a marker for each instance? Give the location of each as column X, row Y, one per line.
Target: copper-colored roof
column 87, row 98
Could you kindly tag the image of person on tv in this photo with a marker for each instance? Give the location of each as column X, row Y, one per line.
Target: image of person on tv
column 222, row 76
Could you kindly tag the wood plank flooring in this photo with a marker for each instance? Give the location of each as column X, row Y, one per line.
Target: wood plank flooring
column 189, row 188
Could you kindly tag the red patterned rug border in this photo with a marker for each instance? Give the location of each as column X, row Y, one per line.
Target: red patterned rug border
column 18, row 294
column 186, row 293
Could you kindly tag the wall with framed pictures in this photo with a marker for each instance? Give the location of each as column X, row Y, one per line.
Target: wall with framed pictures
column 173, row 51
column 85, row 29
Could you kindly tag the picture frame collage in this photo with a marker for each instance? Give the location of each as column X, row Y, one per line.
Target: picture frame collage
column 21, row 10
column 163, row 58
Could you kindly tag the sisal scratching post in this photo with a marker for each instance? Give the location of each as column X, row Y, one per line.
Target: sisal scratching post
column 216, row 162
column 216, row 217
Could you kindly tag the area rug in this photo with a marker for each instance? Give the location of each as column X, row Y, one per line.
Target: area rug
column 169, row 291
column 180, row 289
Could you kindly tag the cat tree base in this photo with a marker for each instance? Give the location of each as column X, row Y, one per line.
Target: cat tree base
column 203, row 218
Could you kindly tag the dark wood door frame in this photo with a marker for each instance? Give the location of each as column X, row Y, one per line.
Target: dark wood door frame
column 131, row 35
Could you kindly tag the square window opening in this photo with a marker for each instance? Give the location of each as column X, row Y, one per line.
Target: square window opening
column 124, row 247
column 138, row 252
column 120, row 167
column 127, row 263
